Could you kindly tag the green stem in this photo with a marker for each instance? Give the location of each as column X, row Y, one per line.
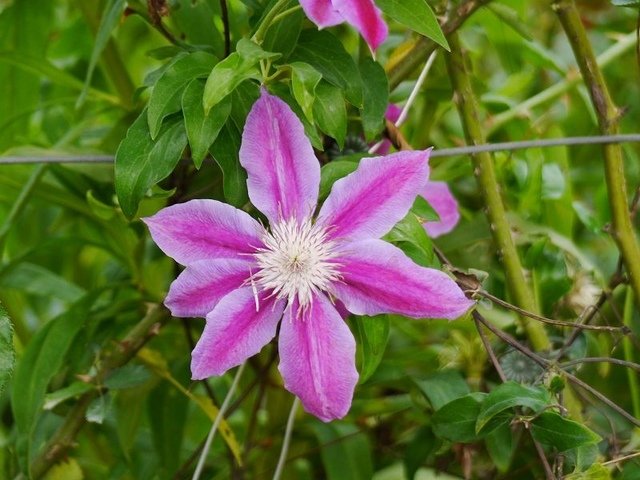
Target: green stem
column 608, row 118
column 634, row 387
column 113, row 65
column 21, row 201
column 65, row 436
column 417, row 54
column 268, row 20
column 613, row 53
column 285, row 14
column 466, row 103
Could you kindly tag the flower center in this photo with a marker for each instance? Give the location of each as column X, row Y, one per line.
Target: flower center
column 297, row 260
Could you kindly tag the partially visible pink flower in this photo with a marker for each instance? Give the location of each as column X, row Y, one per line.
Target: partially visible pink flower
column 245, row 278
column 437, row 194
column 362, row 14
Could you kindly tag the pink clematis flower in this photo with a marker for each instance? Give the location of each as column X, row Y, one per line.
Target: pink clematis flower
column 437, row 194
column 362, row 14
column 245, row 278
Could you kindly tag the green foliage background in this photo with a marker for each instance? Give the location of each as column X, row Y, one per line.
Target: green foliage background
column 91, row 362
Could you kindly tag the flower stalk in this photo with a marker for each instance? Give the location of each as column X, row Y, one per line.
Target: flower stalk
column 268, row 20
column 608, row 116
column 485, row 173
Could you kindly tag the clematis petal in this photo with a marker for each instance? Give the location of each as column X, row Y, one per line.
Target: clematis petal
column 203, row 229
column 444, row 203
column 393, row 112
column 283, row 172
column 378, row 277
column 317, row 358
column 321, row 12
column 366, row 18
column 371, row 200
column 203, row 284
column 235, row 331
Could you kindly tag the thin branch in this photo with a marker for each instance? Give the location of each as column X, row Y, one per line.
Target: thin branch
column 546, row 364
column 21, row 202
column 287, row 439
column 65, row 436
column 412, row 97
column 492, row 355
column 486, row 177
column 545, row 463
column 157, row 9
column 216, row 423
column 621, row 459
column 557, row 323
column 608, row 116
column 399, row 70
column 615, row 361
column 616, row 279
column 443, row 152
column 621, row 47
column 224, row 10
column 543, row 143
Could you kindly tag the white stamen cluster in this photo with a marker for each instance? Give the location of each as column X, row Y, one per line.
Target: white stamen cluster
column 297, row 260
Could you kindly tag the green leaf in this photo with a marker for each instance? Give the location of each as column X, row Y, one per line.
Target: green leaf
column 202, row 130
column 597, row 471
column 333, row 171
column 626, row 3
column 330, row 112
column 140, row 163
column 418, row 450
column 68, row 469
column 252, row 52
column 167, row 410
column 417, row 15
column 410, row 230
column 42, row 68
column 345, row 451
column 511, row 18
column 225, row 77
column 304, row 79
column 99, row 408
column 243, row 98
column 325, row 53
column 167, row 92
column 283, row 36
column 42, row 359
column 509, row 395
column 456, row 421
column 372, row 336
column 128, row 376
column 7, row 351
column 500, row 446
column 25, row 31
column 443, row 387
column 554, row 184
column 583, row 457
column 232, row 71
column 52, row 400
column 111, row 16
column 553, row 429
column 424, row 211
column 225, row 152
column 37, row 280
column 376, row 97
